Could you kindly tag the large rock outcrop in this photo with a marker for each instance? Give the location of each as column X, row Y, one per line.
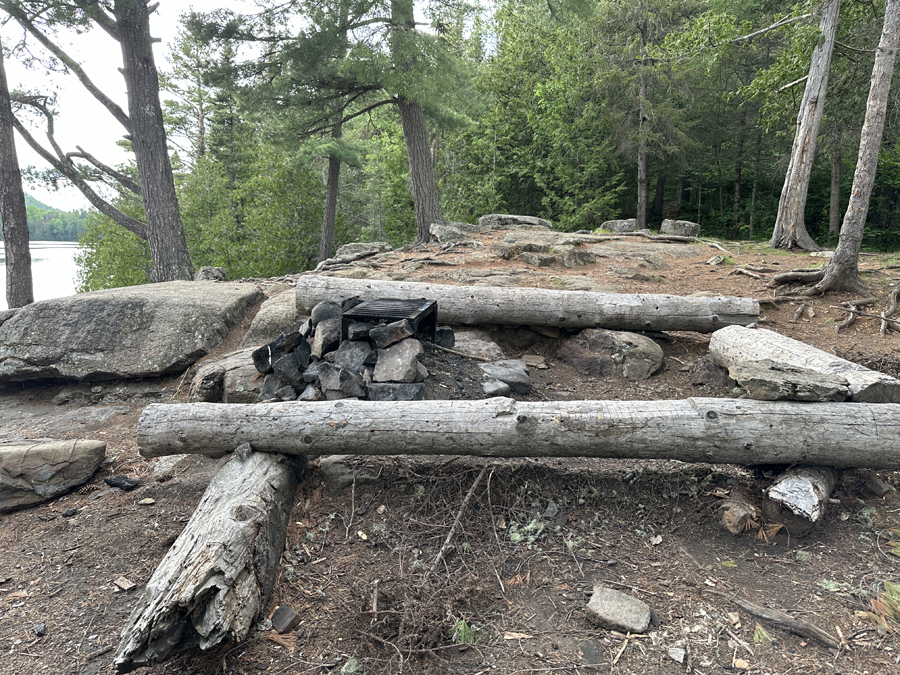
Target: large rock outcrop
column 121, row 333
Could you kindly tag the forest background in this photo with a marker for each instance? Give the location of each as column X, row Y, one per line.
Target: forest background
column 535, row 108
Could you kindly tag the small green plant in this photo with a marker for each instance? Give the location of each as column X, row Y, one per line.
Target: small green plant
column 462, row 633
column 761, row 636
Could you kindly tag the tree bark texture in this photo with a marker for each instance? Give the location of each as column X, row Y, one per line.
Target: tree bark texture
column 799, row 498
column 19, row 287
column 733, row 345
column 842, row 272
column 216, row 578
column 421, row 169
column 326, row 243
column 713, row 430
column 540, row 306
column 738, row 167
column 165, row 231
column 756, row 163
column 643, row 156
column 834, row 209
column 790, row 227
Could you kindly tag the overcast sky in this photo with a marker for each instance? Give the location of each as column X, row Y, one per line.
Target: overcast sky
column 81, row 120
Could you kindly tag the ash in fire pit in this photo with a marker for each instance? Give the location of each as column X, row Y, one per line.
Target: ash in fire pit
column 368, row 350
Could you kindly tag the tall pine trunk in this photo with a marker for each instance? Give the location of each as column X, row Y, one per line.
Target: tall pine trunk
column 834, row 209
column 756, row 163
column 19, row 288
column 738, row 166
column 790, row 228
column 842, row 272
column 643, row 160
column 165, row 231
column 326, row 243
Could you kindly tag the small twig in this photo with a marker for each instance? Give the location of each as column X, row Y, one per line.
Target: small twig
column 621, row 651
column 468, row 356
column 798, row 313
column 459, row 515
column 724, row 250
column 746, row 272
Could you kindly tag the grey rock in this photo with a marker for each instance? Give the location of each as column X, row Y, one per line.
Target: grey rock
column 444, row 337
column 265, row 357
column 323, row 312
column 208, row 383
column 33, row 471
column 614, row 610
column 421, row 373
column 339, row 472
column 598, row 352
column 122, row 333
column 311, row 374
column 707, row 373
column 211, row 274
column 339, row 383
column 770, row 381
column 504, row 250
column 624, row 225
column 309, row 394
column 478, row 344
column 6, row 315
column 398, row 363
column 354, row 356
column 242, row 385
column 271, row 385
column 570, row 256
column 442, row 232
column 539, row 259
column 285, row 619
column 327, row 337
column 289, row 370
column 493, row 387
column 286, row 393
column 277, row 315
column 390, row 333
column 499, row 221
column 513, row 372
column 359, row 330
column 392, row 391
column 681, row 228
column 580, row 283
column 363, row 248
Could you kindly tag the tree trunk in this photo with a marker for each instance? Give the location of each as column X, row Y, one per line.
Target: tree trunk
column 165, row 232
column 738, row 166
column 643, row 158
column 19, row 288
column 712, row 430
column 421, row 168
column 790, row 228
column 540, row 306
column 733, row 345
column 326, row 244
column 699, row 195
column 842, row 272
column 756, row 162
column 216, row 578
column 834, row 211
column 659, row 197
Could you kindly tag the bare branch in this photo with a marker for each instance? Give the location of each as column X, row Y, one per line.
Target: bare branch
column 792, row 84
column 122, row 178
column 777, row 24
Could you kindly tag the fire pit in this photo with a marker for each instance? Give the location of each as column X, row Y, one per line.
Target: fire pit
column 421, row 313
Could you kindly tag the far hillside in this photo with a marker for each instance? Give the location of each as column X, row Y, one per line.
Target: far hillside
column 46, row 223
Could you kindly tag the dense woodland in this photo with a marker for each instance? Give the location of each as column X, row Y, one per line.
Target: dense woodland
column 291, row 129
column 46, row 223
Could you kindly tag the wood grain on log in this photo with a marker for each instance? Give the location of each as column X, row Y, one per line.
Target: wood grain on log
column 541, row 306
column 730, row 431
column 217, row 576
column 734, row 344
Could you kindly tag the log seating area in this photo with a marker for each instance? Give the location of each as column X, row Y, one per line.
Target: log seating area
column 218, row 574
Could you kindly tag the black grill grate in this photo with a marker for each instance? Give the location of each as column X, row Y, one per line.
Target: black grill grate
column 421, row 313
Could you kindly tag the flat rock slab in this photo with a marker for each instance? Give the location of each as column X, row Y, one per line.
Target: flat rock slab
column 770, row 381
column 277, row 315
column 512, row 372
column 33, row 471
column 122, row 333
column 619, row 611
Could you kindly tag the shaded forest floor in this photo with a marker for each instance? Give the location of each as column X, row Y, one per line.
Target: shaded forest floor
column 509, row 594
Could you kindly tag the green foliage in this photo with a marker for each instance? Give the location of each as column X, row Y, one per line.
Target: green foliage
column 48, row 224
column 110, row 256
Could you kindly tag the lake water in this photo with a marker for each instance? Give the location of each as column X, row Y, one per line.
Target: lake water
column 53, row 270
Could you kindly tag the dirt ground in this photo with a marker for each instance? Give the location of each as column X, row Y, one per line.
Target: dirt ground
column 508, row 595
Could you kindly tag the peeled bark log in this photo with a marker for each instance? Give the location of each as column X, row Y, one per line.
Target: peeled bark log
column 799, row 497
column 540, row 306
column 733, row 345
column 218, row 574
column 715, row 430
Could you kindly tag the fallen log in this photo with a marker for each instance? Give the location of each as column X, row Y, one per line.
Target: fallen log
column 732, row 345
column 715, row 430
column 799, row 497
column 541, row 306
column 217, row 576
column 737, row 514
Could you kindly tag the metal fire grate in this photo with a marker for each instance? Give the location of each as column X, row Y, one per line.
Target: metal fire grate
column 421, row 313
